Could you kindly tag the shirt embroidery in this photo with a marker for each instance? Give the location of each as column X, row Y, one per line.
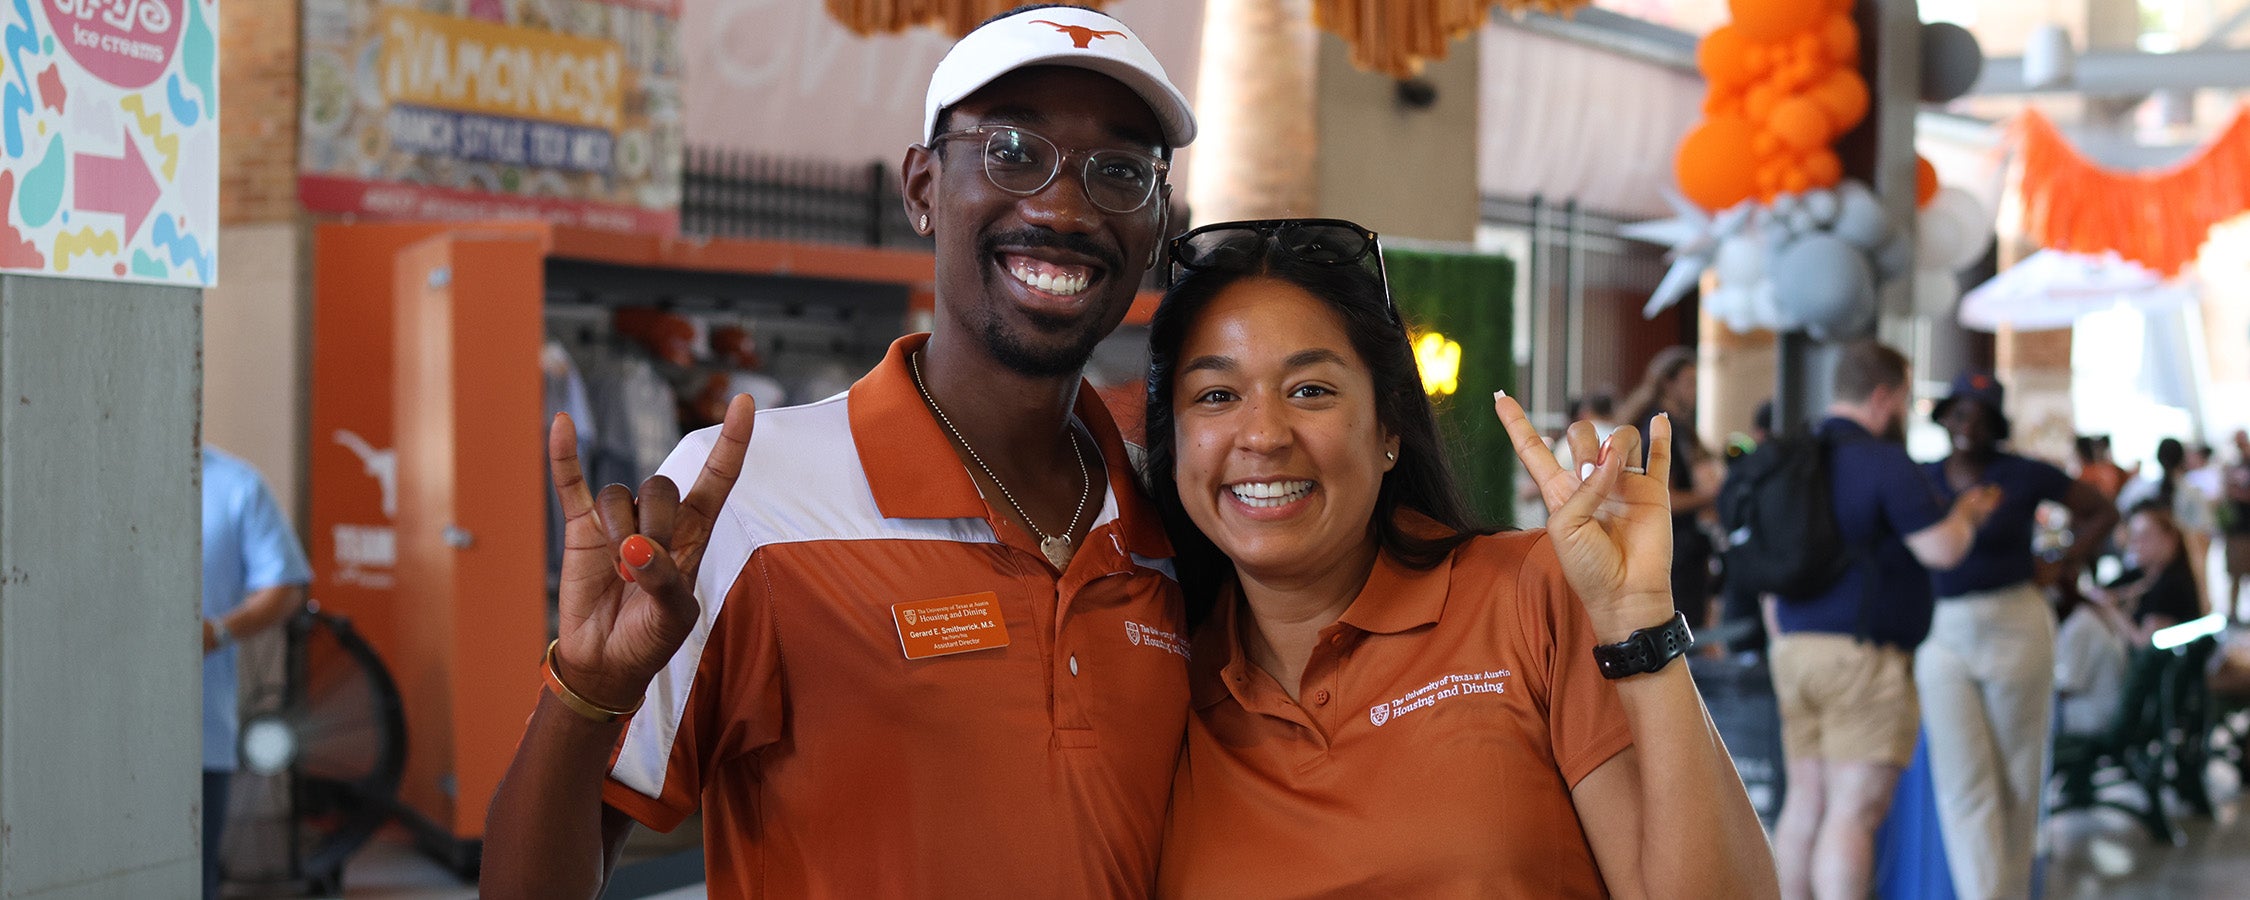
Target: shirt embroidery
column 1445, row 687
column 1151, row 636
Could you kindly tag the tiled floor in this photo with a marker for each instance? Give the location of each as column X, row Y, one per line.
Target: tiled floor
column 389, row 868
column 2107, row 856
column 2098, row 856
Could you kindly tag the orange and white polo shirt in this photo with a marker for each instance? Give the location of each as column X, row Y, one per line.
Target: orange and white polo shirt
column 1027, row 750
column 1438, row 731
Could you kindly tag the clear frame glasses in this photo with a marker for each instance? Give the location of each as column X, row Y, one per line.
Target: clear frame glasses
column 1228, row 245
column 1023, row 163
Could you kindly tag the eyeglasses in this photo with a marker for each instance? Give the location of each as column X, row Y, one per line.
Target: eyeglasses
column 1023, row 163
column 1232, row 245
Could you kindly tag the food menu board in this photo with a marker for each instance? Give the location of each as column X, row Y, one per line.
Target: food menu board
column 562, row 110
column 109, row 124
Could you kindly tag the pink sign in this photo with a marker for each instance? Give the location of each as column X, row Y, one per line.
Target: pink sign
column 127, row 43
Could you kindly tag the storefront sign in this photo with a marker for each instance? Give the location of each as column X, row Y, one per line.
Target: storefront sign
column 563, row 110
column 109, row 122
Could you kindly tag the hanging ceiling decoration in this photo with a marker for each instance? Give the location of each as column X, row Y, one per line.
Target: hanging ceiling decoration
column 1392, row 37
column 1398, row 37
column 954, row 17
column 2158, row 218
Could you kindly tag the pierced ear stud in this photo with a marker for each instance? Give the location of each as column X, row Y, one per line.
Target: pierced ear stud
column 1391, row 455
column 923, row 226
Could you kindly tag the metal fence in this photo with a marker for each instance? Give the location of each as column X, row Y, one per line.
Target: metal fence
column 1580, row 311
column 731, row 194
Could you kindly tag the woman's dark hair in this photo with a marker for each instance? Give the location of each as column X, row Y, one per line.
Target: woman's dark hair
column 1421, row 480
column 1647, row 398
column 2172, row 456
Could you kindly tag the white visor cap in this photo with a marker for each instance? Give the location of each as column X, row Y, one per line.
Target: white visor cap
column 1057, row 36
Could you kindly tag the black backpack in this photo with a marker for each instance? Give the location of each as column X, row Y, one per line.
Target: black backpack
column 1778, row 508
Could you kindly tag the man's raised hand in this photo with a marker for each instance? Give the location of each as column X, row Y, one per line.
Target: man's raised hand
column 629, row 564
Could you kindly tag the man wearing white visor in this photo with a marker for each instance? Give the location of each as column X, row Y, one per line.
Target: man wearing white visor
column 922, row 638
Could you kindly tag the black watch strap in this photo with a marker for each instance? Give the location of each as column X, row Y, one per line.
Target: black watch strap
column 1647, row 650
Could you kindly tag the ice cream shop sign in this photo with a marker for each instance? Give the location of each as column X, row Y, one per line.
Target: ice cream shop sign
column 127, row 43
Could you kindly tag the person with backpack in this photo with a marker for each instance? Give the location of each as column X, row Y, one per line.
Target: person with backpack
column 1987, row 672
column 1843, row 655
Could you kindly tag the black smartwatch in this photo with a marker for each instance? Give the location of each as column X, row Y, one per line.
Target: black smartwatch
column 1647, row 650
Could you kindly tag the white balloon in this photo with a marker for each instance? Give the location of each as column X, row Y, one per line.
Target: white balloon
column 1822, row 203
column 1823, row 280
column 1742, row 260
column 1859, row 217
column 1935, row 292
column 1784, row 204
column 1972, row 225
column 1766, row 308
column 1801, row 221
column 1729, row 305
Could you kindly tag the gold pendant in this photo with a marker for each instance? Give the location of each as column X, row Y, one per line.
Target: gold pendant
column 1058, row 551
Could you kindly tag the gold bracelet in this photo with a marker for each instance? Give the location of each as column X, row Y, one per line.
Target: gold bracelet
column 592, row 711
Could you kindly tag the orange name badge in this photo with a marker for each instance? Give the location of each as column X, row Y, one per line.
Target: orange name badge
column 949, row 625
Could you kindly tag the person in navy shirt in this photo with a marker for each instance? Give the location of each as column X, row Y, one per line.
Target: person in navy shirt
column 1843, row 660
column 1987, row 671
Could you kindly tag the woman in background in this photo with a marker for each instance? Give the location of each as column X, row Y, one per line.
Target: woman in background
column 1668, row 389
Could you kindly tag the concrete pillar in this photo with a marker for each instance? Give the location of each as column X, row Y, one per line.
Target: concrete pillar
column 1255, row 157
column 1404, row 169
column 101, row 710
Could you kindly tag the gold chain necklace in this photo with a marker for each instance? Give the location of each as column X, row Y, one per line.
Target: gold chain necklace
column 1057, row 547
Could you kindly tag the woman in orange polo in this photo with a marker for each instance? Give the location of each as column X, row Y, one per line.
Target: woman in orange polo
column 1389, row 700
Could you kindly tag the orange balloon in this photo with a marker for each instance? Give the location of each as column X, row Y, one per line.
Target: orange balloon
column 1840, row 39
column 1800, row 123
column 1713, row 163
column 1823, row 168
column 1773, row 20
column 1757, row 59
column 1925, row 181
column 1723, row 55
column 1806, row 49
column 1759, row 101
column 1843, row 95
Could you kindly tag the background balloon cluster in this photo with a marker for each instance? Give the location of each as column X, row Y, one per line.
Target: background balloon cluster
column 1784, row 84
column 1763, row 201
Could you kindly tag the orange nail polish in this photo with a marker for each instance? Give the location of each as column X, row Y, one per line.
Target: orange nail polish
column 623, row 572
column 638, row 551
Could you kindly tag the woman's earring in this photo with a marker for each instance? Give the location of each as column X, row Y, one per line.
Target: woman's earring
column 922, row 226
column 1390, row 455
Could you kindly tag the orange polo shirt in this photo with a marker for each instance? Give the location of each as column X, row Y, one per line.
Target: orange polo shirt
column 828, row 763
column 1441, row 725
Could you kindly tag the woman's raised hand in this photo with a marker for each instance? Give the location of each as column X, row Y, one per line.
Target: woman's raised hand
column 1611, row 528
column 629, row 564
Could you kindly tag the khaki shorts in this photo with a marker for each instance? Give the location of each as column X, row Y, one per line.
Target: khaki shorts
column 1844, row 700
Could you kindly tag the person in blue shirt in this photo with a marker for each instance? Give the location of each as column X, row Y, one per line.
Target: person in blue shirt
column 1843, row 660
column 1987, row 671
column 254, row 576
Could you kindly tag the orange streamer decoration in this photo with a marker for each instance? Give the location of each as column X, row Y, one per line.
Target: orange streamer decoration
column 2158, row 218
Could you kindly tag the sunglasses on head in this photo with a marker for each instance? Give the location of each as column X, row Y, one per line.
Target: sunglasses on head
column 1237, row 245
